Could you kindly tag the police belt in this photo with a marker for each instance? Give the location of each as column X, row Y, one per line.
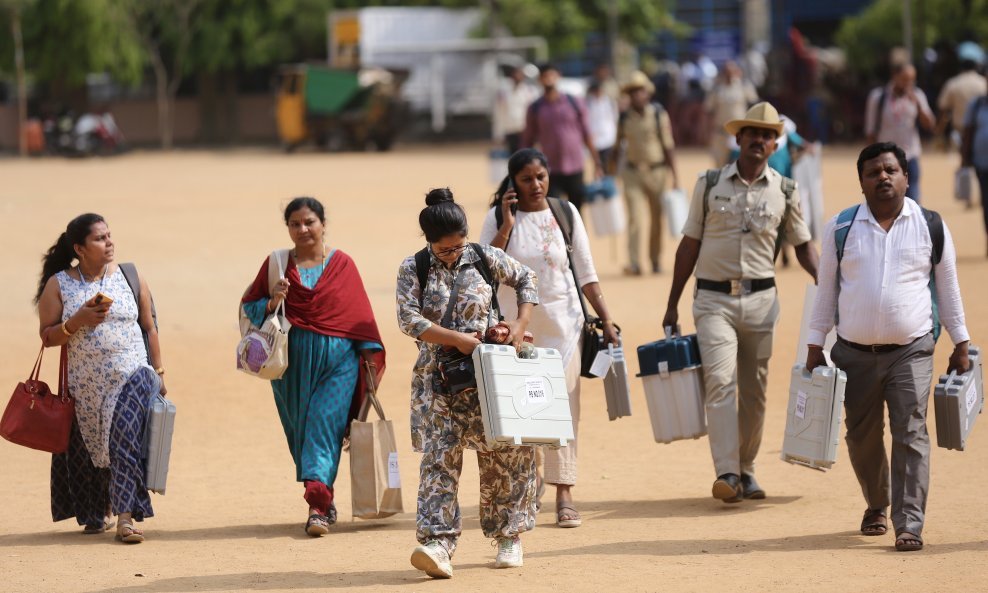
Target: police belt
column 652, row 166
column 736, row 287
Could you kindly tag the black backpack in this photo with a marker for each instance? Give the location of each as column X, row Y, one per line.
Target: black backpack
column 422, row 261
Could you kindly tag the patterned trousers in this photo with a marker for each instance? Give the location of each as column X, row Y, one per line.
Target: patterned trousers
column 81, row 490
column 507, row 476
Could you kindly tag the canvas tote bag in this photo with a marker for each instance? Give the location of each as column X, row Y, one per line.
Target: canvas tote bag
column 375, row 482
column 263, row 351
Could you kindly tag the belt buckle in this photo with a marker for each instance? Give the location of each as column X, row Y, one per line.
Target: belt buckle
column 740, row 287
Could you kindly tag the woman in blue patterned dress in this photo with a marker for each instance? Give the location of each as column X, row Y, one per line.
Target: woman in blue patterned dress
column 333, row 329
column 110, row 374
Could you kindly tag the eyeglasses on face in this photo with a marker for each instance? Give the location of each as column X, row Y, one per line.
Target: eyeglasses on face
column 451, row 250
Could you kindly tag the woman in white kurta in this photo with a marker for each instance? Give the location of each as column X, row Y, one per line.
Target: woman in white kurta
column 532, row 235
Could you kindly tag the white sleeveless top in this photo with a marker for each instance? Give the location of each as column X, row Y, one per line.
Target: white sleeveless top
column 101, row 358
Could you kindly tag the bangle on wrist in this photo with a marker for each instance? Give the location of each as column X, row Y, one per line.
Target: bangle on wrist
column 160, row 371
column 607, row 321
column 65, row 330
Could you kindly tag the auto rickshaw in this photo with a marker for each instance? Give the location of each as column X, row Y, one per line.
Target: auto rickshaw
column 339, row 107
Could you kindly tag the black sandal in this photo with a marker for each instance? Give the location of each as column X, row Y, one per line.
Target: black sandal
column 875, row 522
column 317, row 525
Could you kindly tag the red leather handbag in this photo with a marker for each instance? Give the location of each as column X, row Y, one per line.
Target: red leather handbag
column 37, row 418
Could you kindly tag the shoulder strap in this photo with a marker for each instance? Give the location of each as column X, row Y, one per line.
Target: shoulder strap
column 576, row 108
column 935, row 224
column 843, row 226
column 129, row 271
column 844, row 221
column 484, row 267
column 564, row 218
column 712, row 177
column 879, row 110
column 422, row 271
column 278, row 257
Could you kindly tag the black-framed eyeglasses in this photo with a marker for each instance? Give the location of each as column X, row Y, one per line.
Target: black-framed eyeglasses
column 450, row 251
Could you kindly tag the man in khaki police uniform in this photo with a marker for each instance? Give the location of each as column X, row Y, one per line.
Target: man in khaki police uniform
column 730, row 239
column 646, row 134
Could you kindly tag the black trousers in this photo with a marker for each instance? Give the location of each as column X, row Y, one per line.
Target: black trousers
column 570, row 185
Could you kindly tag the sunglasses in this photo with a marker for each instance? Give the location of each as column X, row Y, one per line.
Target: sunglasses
column 450, row 251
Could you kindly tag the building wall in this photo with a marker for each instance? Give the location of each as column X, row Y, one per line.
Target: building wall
column 138, row 119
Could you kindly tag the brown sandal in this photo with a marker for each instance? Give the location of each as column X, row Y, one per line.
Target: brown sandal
column 908, row 542
column 567, row 509
column 317, row 525
column 875, row 522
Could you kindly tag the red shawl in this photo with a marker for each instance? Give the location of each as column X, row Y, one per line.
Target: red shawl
column 337, row 306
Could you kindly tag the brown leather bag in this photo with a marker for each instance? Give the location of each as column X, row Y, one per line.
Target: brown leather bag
column 37, row 418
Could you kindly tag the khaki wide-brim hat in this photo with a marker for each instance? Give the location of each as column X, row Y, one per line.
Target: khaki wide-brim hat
column 761, row 115
column 639, row 80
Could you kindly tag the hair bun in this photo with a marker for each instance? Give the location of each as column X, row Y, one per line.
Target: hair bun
column 438, row 196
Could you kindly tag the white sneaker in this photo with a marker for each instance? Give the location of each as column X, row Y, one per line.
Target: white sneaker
column 433, row 559
column 509, row 554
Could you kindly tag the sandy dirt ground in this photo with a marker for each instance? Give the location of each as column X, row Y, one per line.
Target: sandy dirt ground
column 199, row 225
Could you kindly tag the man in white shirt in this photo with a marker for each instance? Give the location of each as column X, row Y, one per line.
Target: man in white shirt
column 513, row 98
column 879, row 296
column 893, row 113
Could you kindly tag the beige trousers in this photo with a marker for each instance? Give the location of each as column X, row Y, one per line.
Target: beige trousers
column 643, row 188
column 560, row 464
column 735, row 337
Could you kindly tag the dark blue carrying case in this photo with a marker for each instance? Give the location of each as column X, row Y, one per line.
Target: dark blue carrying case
column 678, row 352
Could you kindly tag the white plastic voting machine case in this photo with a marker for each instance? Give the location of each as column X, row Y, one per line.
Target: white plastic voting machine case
column 523, row 401
column 813, row 417
column 158, row 442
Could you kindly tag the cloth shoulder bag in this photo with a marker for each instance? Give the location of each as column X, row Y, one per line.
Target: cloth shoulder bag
column 37, row 418
column 263, row 351
column 375, row 482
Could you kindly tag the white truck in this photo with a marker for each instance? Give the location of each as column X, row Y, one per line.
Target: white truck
column 452, row 70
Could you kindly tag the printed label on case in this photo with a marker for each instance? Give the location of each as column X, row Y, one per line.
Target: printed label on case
column 394, row 476
column 601, row 364
column 800, row 404
column 535, row 391
column 971, row 397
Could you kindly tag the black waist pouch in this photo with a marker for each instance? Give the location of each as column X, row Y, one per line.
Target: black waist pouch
column 456, row 371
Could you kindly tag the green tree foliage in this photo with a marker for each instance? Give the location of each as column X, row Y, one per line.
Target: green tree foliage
column 565, row 23
column 868, row 36
column 249, row 34
column 66, row 39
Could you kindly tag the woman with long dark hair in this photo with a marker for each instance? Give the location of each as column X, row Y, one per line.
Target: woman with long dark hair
column 333, row 334
column 91, row 309
column 444, row 300
column 530, row 233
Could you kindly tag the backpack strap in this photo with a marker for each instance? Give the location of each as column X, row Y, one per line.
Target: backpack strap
column 844, row 221
column 422, row 262
column 934, row 223
column 499, row 221
column 129, row 271
column 843, row 226
column 712, row 177
column 484, row 267
column 564, row 218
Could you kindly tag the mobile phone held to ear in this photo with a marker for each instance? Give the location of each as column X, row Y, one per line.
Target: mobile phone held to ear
column 101, row 298
column 511, row 187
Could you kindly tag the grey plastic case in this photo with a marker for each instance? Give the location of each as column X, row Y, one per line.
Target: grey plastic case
column 957, row 402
